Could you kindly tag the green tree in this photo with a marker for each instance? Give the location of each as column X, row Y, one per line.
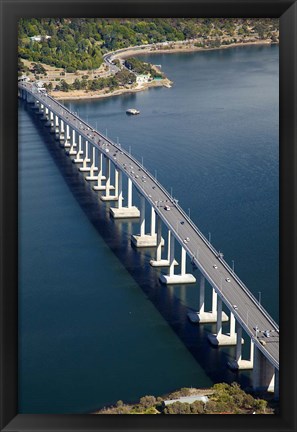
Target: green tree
column 38, row 69
column 64, row 86
column 148, row 401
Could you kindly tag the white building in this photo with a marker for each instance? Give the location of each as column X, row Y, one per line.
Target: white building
column 187, row 399
column 40, row 86
column 39, row 38
column 24, row 78
column 140, row 79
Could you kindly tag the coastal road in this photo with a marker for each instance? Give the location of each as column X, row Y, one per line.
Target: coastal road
column 230, row 288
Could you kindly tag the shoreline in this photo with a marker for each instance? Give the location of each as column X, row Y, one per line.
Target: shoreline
column 83, row 95
column 133, row 51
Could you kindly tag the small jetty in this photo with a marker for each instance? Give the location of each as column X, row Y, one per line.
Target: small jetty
column 132, row 111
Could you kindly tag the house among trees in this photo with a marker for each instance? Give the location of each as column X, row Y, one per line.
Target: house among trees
column 40, row 86
column 39, row 38
column 23, row 78
column 186, row 399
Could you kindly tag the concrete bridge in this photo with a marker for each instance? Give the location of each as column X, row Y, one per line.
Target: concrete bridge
column 94, row 155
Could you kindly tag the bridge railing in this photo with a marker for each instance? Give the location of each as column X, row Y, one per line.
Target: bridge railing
column 188, row 219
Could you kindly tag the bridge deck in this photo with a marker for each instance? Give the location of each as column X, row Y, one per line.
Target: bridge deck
column 248, row 312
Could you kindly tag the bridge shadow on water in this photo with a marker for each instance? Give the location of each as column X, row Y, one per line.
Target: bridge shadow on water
column 116, row 234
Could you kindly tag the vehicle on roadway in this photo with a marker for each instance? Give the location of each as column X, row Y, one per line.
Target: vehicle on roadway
column 215, row 266
column 228, row 280
column 167, row 207
column 235, row 306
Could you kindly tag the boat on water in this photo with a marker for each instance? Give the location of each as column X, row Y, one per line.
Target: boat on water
column 132, row 111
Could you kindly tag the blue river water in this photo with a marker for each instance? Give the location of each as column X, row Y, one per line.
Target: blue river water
column 95, row 324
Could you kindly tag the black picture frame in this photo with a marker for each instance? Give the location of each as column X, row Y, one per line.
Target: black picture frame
column 11, row 11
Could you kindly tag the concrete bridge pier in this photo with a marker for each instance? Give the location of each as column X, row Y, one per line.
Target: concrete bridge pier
column 93, row 167
column 108, row 186
column 40, row 110
column 265, row 375
column 47, row 114
column 143, row 239
column 121, row 212
column 65, row 136
column 51, row 121
column 159, row 262
column 73, row 144
column 239, row 363
column 85, row 167
column 183, row 277
column 29, row 98
column 201, row 316
column 43, row 112
column 62, row 136
column 220, row 339
column 79, row 154
column 36, row 105
column 276, row 384
column 56, row 127
column 100, row 177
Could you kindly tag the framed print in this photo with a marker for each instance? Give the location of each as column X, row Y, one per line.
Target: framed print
column 148, row 253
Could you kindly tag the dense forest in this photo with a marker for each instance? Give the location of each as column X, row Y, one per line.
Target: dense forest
column 79, row 43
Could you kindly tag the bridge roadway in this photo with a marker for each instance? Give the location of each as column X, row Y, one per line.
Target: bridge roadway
column 249, row 312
